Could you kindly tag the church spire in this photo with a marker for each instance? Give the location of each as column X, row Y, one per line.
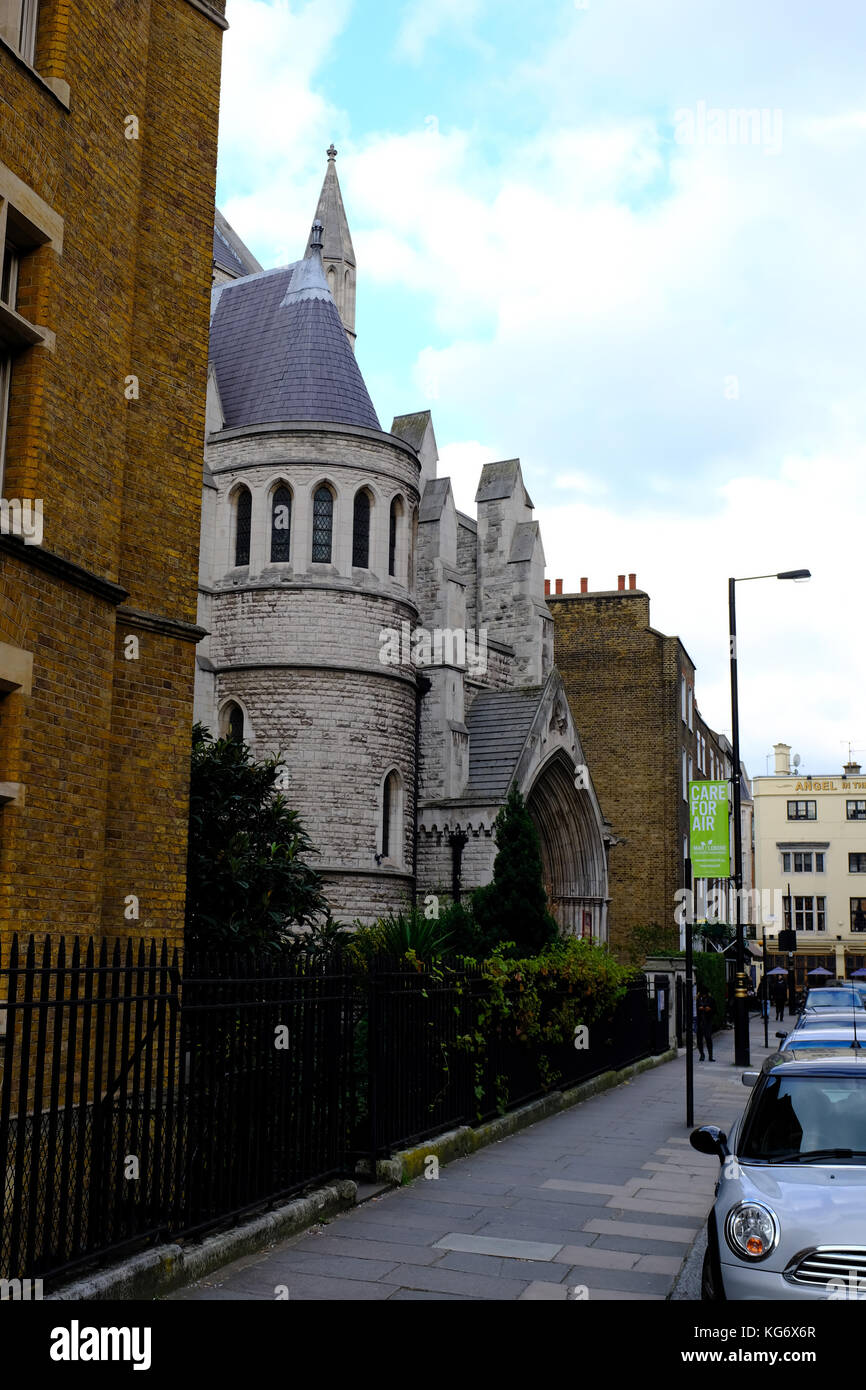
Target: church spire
column 338, row 253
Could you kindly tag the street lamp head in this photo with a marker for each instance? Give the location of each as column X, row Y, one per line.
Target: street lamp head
column 795, row 574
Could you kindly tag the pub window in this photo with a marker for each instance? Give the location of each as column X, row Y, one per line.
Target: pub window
column 858, row 914
column 857, row 863
column 802, row 863
column 809, row 914
column 18, row 26
column 806, row 810
column 856, row 810
column 281, row 525
column 361, row 531
column 243, row 525
column 323, row 525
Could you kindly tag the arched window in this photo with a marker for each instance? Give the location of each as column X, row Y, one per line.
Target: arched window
column 361, row 531
column 323, row 525
column 233, row 722
column 243, row 526
column 393, row 522
column 392, row 812
column 281, row 525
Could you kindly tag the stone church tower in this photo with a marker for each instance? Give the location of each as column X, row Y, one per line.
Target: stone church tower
column 331, row 552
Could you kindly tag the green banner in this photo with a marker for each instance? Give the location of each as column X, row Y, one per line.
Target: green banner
column 709, row 836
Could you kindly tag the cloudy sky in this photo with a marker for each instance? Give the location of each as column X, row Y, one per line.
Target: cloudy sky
column 577, row 246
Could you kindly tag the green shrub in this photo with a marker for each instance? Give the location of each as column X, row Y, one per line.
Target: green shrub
column 514, row 906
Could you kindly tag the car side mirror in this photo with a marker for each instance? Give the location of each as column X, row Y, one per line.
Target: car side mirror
column 710, row 1140
column 781, row 1035
column 750, row 1077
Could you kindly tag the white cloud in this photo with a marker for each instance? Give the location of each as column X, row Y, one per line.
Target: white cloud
column 426, row 20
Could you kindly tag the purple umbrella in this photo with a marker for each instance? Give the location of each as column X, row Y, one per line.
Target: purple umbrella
column 820, row 971
column 778, row 971
column 855, row 973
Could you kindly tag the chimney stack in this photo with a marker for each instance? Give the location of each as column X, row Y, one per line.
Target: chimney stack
column 783, row 759
column 852, row 769
column 559, row 586
column 584, row 586
column 547, row 588
column 620, row 582
column 632, row 581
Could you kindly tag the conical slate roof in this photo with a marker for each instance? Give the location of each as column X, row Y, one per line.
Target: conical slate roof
column 280, row 352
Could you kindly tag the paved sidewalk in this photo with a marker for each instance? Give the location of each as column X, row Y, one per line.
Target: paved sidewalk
column 602, row 1201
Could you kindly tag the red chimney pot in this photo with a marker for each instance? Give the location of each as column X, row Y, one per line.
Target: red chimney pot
column 632, row 581
column 547, row 588
column 559, row 586
column 584, row 586
column 620, row 581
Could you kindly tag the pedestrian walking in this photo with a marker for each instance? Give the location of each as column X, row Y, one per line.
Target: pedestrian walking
column 764, row 996
column 780, row 994
column 706, row 1014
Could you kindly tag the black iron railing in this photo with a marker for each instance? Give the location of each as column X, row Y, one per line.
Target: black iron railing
column 140, row 1102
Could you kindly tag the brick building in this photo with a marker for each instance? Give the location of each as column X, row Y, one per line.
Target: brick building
column 108, row 129
column 632, row 695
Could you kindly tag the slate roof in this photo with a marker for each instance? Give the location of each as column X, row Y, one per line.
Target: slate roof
column 280, row 352
column 411, row 428
column 229, row 252
column 499, row 723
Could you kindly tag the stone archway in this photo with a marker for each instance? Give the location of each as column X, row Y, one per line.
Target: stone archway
column 572, row 848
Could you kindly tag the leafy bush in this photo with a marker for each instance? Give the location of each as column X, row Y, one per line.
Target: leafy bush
column 403, row 933
column 248, row 882
column 514, row 906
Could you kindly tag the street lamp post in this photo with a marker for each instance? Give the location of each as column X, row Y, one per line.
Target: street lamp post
column 741, row 1013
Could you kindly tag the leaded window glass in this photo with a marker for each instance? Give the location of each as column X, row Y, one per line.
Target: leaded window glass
column 281, row 525
column 243, row 526
column 361, row 532
column 392, row 537
column 323, row 525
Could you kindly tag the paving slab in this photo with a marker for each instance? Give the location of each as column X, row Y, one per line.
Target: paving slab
column 607, row 1197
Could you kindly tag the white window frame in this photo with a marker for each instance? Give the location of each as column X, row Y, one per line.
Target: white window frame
column 25, row 46
column 691, row 708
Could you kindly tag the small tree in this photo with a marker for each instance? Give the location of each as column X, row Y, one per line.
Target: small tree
column 247, row 879
column 514, row 906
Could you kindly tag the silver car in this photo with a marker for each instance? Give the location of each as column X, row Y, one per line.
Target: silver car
column 789, row 1219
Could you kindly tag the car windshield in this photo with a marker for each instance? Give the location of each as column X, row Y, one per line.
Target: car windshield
column 802, row 1118
column 833, row 999
column 794, row 1042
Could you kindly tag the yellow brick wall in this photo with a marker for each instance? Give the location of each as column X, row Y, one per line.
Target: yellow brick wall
column 102, row 743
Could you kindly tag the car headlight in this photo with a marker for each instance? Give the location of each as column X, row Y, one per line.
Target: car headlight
column 752, row 1230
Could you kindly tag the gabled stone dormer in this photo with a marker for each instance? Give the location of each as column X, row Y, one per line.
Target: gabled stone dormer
column 511, row 571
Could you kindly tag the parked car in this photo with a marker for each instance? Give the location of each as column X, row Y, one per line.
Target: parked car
column 789, row 1218
column 827, row 1035
column 842, row 998
column 821, row 1019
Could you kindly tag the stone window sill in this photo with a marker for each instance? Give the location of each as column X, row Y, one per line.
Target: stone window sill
column 56, row 86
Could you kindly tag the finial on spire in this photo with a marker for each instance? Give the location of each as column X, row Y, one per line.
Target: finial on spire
column 316, row 240
column 331, row 152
